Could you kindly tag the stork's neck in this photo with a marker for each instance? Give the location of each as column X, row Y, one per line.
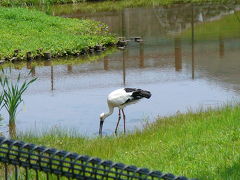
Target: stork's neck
column 108, row 113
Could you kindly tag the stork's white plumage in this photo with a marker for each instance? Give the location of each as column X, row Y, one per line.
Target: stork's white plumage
column 121, row 98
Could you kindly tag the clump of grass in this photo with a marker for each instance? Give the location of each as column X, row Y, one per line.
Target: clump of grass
column 1, row 99
column 12, row 93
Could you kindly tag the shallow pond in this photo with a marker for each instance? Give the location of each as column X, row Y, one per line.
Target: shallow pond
column 189, row 60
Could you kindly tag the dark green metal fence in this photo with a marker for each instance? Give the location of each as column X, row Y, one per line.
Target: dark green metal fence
column 19, row 160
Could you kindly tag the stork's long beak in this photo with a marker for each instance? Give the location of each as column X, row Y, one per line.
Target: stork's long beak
column 100, row 127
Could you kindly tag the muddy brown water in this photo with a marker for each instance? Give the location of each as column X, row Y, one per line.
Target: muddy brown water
column 185, row 61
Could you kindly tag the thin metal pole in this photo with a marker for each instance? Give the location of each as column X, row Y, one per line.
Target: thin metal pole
column 36, row 174
column 6, row 171
column 16, row 172
column 26, row 177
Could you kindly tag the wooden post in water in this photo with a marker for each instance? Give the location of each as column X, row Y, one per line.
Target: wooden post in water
column 33, row 71
column 221, row 47
column 29, row 56
column 47, row 63
column 29, row 65
column 47, row 55
column 141, row 54
column 125, row 55
column 69, row 68
column 178, row 54
column 52, row 78
column 192, row 26
column 106, row 63
column 32, row 68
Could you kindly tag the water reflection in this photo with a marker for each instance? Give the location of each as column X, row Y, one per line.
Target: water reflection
column 153, row 22
column 141, row 55
column 178, row 54
column 125, row 57
column 181, row 61
column 105, row 60
column 69, row 68
column 221, row 47
column 192, row 41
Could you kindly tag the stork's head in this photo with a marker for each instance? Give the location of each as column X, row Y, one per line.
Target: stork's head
column 102, row 117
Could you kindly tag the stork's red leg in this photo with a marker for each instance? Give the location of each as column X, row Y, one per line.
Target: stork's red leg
column 124, row 120
column 119, row 117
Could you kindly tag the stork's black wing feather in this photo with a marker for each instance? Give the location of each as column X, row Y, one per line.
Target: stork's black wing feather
column 130, row 89
column 138, row 93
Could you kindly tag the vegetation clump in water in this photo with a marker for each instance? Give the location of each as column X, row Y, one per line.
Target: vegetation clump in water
column 11, row 95
column 30, row 34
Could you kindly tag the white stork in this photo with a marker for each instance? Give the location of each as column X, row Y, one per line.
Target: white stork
column 121, row 98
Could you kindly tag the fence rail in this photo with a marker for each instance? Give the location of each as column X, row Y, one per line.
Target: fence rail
column 35, row 159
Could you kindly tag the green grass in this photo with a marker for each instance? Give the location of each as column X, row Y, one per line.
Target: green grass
column 35, row 32
column 202, row 145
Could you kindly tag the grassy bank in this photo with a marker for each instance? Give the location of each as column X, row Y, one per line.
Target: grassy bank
column 203, row 145
column 120, row 3
column 36, row 2
column 35, row 32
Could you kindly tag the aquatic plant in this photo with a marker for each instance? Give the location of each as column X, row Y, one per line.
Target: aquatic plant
column 1, row 100
column 12, row 93
column 1, row 103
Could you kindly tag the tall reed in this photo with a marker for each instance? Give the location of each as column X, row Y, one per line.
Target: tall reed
column 1, row 100
column 12, row 93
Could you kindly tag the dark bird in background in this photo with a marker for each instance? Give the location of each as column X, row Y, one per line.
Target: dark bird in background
column 121, row 98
